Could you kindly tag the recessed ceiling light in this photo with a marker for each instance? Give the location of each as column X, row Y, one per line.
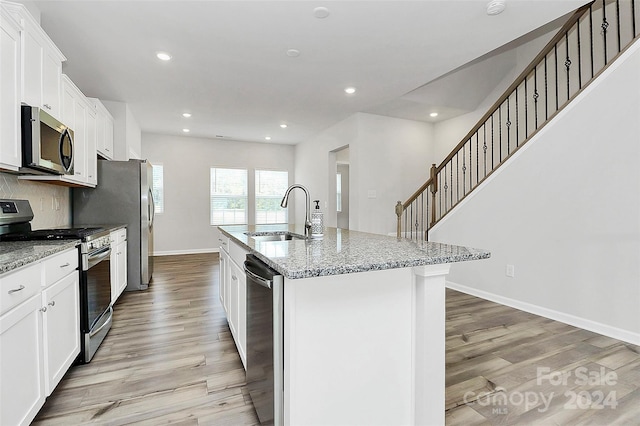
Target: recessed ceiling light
column 350, row 90
column 495, row 7
column 293, row 53
column 321, row 12
column 283, row 125
column 433, row 114
column 267, row 138
column 163, row 56
column 186, row 130
column 186, row 114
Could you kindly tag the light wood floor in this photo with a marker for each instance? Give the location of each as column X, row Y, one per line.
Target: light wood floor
column 170, row 358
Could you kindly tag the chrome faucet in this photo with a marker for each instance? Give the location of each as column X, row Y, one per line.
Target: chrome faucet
column 285, row 201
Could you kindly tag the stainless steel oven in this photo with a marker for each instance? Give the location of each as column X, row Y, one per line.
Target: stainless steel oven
column 95, row 292
column 95, row 269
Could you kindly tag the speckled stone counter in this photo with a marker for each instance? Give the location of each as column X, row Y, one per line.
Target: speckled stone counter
column 14, row 254
column 342, row 251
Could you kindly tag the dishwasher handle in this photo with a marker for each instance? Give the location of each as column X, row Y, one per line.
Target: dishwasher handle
column 253, row 270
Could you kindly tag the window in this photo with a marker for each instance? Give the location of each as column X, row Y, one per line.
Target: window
column 228, row 196
column 339, row 192
column 158, row 187
column 270, row 187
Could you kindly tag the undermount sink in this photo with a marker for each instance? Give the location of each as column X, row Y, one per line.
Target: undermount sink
column 274, row 236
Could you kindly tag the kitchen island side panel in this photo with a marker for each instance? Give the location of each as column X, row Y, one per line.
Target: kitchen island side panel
column 349, row 348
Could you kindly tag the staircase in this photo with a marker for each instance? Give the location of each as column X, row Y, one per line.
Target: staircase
column 594, row 36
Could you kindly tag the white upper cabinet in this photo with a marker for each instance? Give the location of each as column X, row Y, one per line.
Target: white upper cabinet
column 92, row 157
column 10, row 144
column 78, row 114
column 41, row 66
column 104, row 129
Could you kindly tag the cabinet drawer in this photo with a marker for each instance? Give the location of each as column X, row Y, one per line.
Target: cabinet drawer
column 121, row 235
column 18, row 286
column 238, row 254
column 59, row 265
column 224, row 242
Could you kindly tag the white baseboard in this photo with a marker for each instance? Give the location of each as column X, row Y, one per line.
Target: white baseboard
column 190, row 251
column 596, row 327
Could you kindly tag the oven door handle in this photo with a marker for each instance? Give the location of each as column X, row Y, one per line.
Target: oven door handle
column 104, row 324
column 98, row 257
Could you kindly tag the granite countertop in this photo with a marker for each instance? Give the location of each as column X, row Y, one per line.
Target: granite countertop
column 341, row 251
column 14, row 254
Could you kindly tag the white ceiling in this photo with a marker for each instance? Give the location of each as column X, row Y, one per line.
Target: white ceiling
column 231, row 71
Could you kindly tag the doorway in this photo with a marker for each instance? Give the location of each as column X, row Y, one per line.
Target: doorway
column 342, row 188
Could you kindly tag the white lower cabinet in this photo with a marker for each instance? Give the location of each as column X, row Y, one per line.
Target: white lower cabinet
column 224, row 280
column 39, row 335
column 118, row 263
column 61, row 328
column 233, row 293
column 238, row 317
column 22, row 390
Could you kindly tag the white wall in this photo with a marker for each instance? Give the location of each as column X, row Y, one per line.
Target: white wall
column 184, row 226
column 566, row 213
column 387, row 158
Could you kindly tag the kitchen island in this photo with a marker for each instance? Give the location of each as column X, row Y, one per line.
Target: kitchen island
column 364, row 323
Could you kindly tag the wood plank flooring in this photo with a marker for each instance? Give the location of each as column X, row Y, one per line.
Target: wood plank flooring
column 508, row 367
column 170, row 359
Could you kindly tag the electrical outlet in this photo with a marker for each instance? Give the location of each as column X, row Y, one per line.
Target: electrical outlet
column 511, row 271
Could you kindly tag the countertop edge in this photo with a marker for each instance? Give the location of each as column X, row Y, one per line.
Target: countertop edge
column 347, row 268
column 26, row 259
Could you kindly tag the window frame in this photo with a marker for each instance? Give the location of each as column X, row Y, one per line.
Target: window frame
column 157, row 192
column 274, row 197
column 244, row 196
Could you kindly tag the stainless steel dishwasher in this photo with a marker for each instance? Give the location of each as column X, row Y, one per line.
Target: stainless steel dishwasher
column 265, row 340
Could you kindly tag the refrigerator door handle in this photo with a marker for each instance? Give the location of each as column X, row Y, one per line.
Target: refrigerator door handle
column 152, row 209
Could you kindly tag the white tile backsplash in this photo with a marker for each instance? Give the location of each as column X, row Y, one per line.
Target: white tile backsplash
column 51, row 204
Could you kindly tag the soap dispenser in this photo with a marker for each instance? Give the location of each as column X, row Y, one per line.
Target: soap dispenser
column 317, row 221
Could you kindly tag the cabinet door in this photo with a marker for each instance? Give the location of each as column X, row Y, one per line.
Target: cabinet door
column 61, row 328
column 224, row 281
column 121, row 277
column 68, row 105
column 108, row 138
column 51, row 82
column 233, row 299
column 10, row 147
column 31, row 69
column 92, row 160
column 242, row 317
column 80, row 142
column 113, row 266
column 21, row 363
column 41, row 69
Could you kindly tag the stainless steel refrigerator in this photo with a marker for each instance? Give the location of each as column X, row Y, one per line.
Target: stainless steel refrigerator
column 123, row 196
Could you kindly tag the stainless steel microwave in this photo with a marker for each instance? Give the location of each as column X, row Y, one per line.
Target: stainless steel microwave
column 47, row 144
